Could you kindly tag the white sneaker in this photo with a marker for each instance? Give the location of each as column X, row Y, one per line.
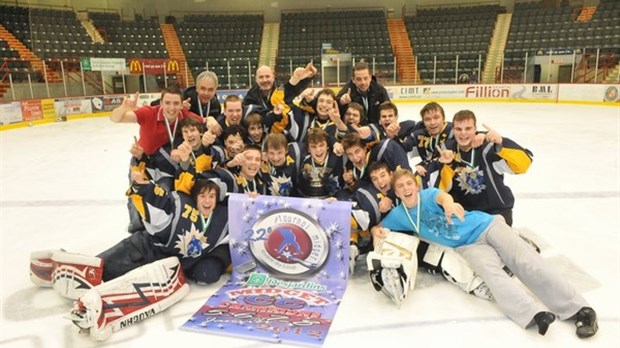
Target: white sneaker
column 353, row 254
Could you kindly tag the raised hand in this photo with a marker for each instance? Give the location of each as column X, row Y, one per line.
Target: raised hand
column 184, row 151
column 492, row 135
column 346, row 98
column 136, row 150
column 131, row 103
column 208, row 138
column 392, row 130
column 445, row 156
column 187, row 103
column 307, row 95
column 214, row 126
column 139, row 177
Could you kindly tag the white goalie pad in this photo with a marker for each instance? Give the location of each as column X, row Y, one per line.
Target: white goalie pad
column 129, row 299
column 393, row 265
column 456, row 270
column 74, row 274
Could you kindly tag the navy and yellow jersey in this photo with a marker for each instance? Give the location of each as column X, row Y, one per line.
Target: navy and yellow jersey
column 365, row 212
column 406, row 128
column 475, row 179
column 175, row 223
column 420, row 143
column 224, row 178
column 282, row 180
column 207, row 158
column 391, row 153
column 158, row 166
column 320, row 180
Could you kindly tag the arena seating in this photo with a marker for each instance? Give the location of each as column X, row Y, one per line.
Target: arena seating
column 536, row 27
column 449, row 31
column 220, row 42
column 362, row 33
column 136, row 39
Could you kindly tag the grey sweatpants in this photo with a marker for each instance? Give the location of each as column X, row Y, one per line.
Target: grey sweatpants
column 499, row 245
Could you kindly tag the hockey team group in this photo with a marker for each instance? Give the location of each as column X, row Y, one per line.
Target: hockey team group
column 449, row 214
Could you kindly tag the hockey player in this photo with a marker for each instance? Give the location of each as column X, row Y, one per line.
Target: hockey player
column 321, row 171
column 434, row 258
column 475, row 176
column 247, row 179
column 422, row 142
column 281, row 169
column 140, row 278
column 486, row 242
column 359, row 158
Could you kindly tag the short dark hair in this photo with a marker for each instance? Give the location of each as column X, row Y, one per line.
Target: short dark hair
column 234, row 130
column 388, row 105
column 361, row 66
column 432, row 106
column 192, row 122
column 172, row 89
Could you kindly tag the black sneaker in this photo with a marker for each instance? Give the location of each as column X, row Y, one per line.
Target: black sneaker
column 543, row 320
column 586, row 323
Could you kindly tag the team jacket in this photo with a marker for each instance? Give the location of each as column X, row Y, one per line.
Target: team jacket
column 282, row 180
column 371, row 100
column 387, row 151
column 420, row 143
column 475, row 179
column 176, row 225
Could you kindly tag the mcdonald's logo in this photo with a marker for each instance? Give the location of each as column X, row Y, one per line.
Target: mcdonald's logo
column 172, row 66
column 135, row 66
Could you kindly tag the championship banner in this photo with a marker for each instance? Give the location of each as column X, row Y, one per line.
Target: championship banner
column 290, row 270
column 153, row 66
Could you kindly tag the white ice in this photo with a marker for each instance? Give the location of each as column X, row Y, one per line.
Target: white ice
column 63, row 184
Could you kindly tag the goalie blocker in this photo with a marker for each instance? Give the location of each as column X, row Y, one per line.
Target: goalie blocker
column 129, row 299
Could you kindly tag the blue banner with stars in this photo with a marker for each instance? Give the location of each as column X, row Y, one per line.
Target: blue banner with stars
column 290, row 270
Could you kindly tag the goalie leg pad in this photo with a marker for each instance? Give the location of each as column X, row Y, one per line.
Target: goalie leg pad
column 131, row 298
column 73, row 274
column 457, row 271
column 393, row 265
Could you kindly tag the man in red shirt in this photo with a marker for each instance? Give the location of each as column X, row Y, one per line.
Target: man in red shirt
column 158, row 127
column 158, row 124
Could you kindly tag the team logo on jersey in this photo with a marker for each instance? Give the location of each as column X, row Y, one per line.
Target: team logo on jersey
column 288, row 242
column 192, row 242
column 471, row 180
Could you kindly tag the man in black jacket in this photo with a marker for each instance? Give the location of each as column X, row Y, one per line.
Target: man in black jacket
column 365, row 90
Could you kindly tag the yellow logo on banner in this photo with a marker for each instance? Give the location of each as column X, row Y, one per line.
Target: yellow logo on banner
column 172, row 66
column 135, row 66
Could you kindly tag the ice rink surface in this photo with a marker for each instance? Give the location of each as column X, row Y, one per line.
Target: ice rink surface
column 63, row 184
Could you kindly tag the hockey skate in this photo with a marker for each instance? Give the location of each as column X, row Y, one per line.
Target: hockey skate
column 393, row 266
